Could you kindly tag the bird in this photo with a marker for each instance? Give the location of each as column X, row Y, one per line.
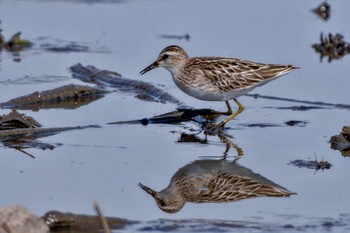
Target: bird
column 208, row 180
column 216, row 78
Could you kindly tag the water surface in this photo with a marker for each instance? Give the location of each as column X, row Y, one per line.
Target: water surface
column 106, row 164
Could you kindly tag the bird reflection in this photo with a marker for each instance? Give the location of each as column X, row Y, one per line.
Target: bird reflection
column 213, row 181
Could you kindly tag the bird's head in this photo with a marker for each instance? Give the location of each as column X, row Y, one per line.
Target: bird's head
column 171, row 58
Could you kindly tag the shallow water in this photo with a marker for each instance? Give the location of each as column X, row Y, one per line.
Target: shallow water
column 106, row 164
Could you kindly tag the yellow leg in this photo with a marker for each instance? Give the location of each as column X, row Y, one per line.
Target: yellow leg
column 215, row 128
column 229, row 110
column 240, row 109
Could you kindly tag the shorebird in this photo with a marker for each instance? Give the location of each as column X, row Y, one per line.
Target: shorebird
column 213, row 181
column 216, row 78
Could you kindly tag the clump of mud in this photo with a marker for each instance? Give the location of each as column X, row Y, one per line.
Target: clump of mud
column 332, row 46
column 341, row 142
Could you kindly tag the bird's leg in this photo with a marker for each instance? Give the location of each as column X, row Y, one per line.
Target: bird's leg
column 215, row 128
column 240, row 109
column 228, row 112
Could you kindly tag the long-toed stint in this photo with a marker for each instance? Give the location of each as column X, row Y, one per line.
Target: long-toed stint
column 213, row 181
column 216, row 78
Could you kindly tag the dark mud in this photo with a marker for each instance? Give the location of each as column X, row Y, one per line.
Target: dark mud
column 180, row 37
column 19, row 132
column 311, row 164
column 296, row 123
column 69, row 96
column 299, row 108
column 60, row 222
column 332, row 47
column 180, row 115
column 341, row 142
column 323, row 10
column 15, row 120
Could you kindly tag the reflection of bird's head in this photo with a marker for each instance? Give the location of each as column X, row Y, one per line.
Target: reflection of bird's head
column 166, row 201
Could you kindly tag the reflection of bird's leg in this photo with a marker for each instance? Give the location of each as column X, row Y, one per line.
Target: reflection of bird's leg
column 240, row 109
column 230, row 144
column 226, row 151
column 238, row 149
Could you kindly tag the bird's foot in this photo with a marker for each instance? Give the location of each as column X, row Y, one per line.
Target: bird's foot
column 214, row 129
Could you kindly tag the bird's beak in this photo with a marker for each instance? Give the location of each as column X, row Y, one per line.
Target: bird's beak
column 148, row 190
column 150, row 67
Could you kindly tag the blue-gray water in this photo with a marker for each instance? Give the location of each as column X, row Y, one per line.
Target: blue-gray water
column 106, row 164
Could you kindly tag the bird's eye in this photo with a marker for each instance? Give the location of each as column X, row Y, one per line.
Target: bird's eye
column 162, row 203
column 165, row 56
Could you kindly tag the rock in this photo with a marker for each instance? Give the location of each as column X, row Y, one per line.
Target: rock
column 17, row 219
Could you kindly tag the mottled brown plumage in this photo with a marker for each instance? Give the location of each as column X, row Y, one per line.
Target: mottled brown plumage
column 216, row 78
column 213, row 181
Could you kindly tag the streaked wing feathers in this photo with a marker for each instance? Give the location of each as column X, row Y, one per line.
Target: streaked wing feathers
column 228, row 73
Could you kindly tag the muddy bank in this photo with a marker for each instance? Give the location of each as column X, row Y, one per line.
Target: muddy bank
column 60, row 222
column 17, row 219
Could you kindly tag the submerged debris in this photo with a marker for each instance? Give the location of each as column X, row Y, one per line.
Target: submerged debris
column 261, row 125
column 312, row 164
column 332, row 46
column 296, row 123
column 179, row 115
column 58, row 45
column 142, row 90
column 180, row 37
column 300, row 108
column 267, row 125
column 71, row 47
column 20, row 132
column 323, row 10
column 69, row 96
column 15, row 120
column 341, row 142
column 192, row 138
